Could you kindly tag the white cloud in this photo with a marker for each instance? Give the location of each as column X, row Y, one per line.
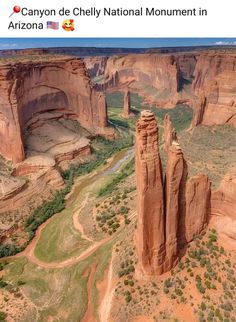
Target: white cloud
column 7, row 45
column 225, row 43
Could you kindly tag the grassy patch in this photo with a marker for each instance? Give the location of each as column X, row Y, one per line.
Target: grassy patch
column 59, row 240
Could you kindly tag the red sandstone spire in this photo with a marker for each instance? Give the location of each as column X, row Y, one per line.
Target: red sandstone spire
column 174, row 175
column 166, row 221
column 150, row 234
column 169, row 132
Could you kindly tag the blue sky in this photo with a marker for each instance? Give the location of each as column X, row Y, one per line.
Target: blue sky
column 18, row 43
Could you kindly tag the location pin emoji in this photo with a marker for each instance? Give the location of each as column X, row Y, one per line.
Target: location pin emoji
column 16, row 9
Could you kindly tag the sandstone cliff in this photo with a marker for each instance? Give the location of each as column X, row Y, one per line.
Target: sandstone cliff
column 198, row 194
column 31, row 88
column 223, row 211
column 215, row 83
column 144, row 73
column 43, row 180
column 164, row 80
column 223, row 201
column 96, row 65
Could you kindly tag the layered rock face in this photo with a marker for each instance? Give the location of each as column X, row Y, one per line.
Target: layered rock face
column 16, row 192
column 32, row 88
column 160, row 78
column 96, row 65
column 223, row 211
column 151, row 221
column 198, row 195
column 187, row 64
column 223, row 201
column 156, row 71
column 215, row 84
column 169, row 214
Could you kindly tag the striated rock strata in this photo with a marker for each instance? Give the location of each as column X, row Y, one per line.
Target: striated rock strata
column 43, row 178
column 198, row 194
column 144, row 73
column 31, row 88
column 223, row 201
column 215, row 83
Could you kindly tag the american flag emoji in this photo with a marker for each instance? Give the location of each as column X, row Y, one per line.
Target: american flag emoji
column 52, row 25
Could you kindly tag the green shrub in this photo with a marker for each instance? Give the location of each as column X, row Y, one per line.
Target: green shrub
column 3, row 283
column 3, row 316
column 168, row 283
column 9, row 250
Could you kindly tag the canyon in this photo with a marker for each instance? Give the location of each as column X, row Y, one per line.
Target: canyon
column 39, row 99
column 205, row 80
column 30, row 89
column 117, row 184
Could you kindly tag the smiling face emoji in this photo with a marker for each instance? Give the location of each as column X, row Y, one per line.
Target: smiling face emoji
column 68, row 25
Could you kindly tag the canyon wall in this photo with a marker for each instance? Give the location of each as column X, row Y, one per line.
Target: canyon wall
column 165, row 80
column 158, row 77
column 31, row 88
column 198, row 196
column 95, row 66
column 215, row 87
column 143, row 73
column 223, row 201
column 170, row 214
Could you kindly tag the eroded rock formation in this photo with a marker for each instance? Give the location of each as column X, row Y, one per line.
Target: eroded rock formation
column 126, row 110
column 198, row 194
column 215, row 79
column 170, row 215
column 156, row 71
column 169, row 134
column 223, row 201
column 96, row 65
column 160, row 78
column 173, row 186
column 42, row 175
column 151, row 223
column 31, row 88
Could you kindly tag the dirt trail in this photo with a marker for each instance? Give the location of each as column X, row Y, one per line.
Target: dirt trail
column 89, row 314
column 105, row 307
column 76, row 221
column 68, row 262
